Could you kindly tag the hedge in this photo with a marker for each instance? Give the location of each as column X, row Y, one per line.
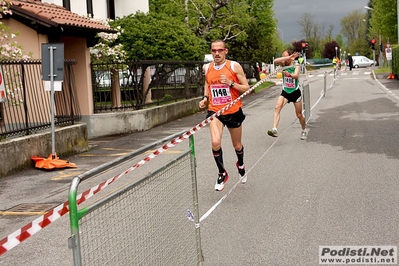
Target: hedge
column 395, row 60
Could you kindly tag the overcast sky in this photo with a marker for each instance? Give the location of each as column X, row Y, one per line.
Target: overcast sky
column 288, row 12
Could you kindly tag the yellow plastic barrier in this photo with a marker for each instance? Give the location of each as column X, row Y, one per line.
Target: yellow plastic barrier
column 262, row 75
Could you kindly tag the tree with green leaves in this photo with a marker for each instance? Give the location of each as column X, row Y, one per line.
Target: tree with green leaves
column 219, row 19
column 208, row 20
column 383, row 20
column 247, row 26
column 158, row 37
column 260, row 42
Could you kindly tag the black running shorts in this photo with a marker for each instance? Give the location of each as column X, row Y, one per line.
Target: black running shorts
column 294, row 97
column 232, row 120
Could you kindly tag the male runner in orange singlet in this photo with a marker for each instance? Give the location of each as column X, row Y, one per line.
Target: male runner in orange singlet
column 224, row 81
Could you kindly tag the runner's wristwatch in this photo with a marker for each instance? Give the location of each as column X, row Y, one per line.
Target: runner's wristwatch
column 232, row 84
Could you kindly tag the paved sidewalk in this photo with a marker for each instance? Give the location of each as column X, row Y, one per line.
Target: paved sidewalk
column 392, row 84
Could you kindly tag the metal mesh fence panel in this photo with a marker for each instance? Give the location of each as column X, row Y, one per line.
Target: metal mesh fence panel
column 145, row 223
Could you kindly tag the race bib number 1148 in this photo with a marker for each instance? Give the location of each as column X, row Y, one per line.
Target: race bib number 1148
column 220, row 94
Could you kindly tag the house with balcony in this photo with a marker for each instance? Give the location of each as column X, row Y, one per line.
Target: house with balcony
column 105, row 9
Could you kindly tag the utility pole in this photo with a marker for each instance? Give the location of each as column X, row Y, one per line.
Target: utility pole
column 372, row 44
column 380, row 59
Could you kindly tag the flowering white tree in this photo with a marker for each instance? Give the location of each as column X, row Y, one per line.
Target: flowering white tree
column 105, row 51
column 9, row 49
column 109, row 54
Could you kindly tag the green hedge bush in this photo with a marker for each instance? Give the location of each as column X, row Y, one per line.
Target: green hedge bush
column 395, row 60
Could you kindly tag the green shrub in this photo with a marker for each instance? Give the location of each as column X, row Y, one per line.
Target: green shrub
column 167, row 97
column 395, row 60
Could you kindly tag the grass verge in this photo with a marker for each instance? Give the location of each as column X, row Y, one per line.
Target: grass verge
column 262, row 86
column 382, row 70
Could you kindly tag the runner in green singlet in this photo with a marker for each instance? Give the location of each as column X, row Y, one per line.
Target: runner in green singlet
column 291, row 92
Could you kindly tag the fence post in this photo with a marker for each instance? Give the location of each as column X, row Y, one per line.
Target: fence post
column 334, row 75
column 200, row 257
column 73, row 240
column 306, row 101
column 325, row 83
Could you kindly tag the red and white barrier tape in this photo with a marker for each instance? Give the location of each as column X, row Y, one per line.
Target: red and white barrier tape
column 38, row 224
column 32, row 228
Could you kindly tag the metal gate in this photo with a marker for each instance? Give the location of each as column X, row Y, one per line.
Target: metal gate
column 151, row 221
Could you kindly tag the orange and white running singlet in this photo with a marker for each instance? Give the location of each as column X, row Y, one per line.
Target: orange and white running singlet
column 220, row 94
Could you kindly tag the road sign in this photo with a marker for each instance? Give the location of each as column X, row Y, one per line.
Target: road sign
column 54, row 51
column 53, row 71
column 388, row 53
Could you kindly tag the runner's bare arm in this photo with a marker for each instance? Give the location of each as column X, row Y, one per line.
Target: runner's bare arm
column 205, row 98
column 286, row 60
column 296, row 74
column 243, row 86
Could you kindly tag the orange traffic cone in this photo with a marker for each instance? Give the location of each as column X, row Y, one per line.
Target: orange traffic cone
column 391, row 76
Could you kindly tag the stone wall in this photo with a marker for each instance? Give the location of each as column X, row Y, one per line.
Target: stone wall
column 16, row 153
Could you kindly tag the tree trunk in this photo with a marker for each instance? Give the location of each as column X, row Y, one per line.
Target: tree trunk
column 115, row 89
column 146, row 83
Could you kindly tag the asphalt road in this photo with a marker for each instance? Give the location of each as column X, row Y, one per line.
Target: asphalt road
column 339, row 187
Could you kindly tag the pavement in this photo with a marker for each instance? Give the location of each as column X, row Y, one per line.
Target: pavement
column 288, row 210
column 389, row 84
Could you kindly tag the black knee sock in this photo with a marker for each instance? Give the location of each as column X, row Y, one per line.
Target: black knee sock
column 218, row 156
column 240, row 156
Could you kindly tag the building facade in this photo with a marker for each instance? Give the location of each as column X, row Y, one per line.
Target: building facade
column 103, row 9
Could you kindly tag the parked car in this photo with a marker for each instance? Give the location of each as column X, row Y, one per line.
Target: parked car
column 103, row 78
column 179, row 75
column 208, row 58
column 362, row 61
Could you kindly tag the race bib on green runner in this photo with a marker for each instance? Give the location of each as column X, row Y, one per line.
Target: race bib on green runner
column 289, row 82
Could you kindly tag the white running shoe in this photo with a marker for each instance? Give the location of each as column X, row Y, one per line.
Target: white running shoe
column 241, row 173
column 304, row 135
column 222, row 179
column 272, row 132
